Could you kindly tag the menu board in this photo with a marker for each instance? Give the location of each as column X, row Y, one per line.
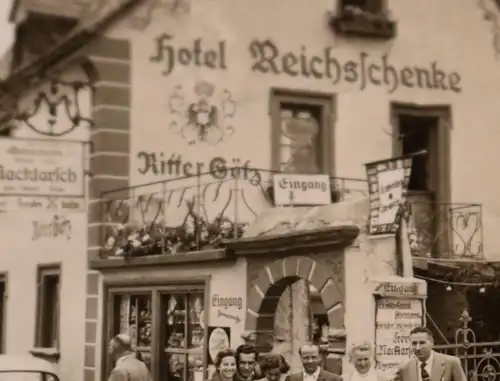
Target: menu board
column 394, row 319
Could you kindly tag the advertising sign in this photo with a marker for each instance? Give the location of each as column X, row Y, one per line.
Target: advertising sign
column 394, row 320
column 387, row 186
column 41, row 168
column 290, row 189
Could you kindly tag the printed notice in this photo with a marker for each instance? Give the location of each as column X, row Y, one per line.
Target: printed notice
column 395, row 318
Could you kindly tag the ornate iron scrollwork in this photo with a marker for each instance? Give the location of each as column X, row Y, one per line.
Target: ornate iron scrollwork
column 61, row 102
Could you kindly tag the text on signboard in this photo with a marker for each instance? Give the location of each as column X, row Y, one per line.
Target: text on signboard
column 302, row 185
column 227, row 301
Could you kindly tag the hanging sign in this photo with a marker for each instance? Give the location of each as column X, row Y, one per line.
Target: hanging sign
column 291, row 189
column 41, row 168
column 387, row 186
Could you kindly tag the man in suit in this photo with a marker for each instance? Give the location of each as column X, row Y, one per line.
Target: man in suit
column 428, row 365
column 310, row 357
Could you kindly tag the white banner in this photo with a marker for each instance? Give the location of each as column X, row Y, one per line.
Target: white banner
column 387, row 186
column 41, row 168
column 290, row 189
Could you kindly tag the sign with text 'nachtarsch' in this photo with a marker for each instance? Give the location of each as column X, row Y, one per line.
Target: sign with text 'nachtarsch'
column 41, row 168
column 387, row 186
column 290, row 189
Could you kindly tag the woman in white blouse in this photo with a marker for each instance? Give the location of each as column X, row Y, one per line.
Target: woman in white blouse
column 361, row 359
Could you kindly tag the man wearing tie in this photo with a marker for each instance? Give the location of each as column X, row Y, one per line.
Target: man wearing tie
column 310, row 358
column 428, row 365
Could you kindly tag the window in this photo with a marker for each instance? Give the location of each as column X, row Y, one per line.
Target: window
column 363, row 18
column 3, row 294
column 48, row 285
column 418, row 128
column 415, row 133
column 372, row 6
column 167, row 326
column 302, row 132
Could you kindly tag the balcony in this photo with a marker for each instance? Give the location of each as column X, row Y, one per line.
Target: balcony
column 197, row 213
column 444, row 230
column 193, row 214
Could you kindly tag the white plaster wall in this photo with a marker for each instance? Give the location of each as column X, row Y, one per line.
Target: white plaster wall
column 453, row 34
column 20, row 257
column 21, row 254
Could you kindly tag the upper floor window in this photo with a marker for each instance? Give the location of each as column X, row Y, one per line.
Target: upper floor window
column 363, row 18
column 372, row 6
column 302, row 132
column 47, row 325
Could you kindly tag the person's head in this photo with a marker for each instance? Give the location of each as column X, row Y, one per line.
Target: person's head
column 120, row 345
column 309, row 355
column 361, row 356
column 274, row 366
column 225, row 363
column 421, row 342
column 246, row 358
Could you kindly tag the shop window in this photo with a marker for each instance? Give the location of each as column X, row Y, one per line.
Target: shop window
column 48, row 286
column 167, row 327
column 183, row 337
column 302, row 133
column 133, row 316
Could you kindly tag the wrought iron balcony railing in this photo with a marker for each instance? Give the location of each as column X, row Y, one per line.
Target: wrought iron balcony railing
column 439, row 229
column 193, row 213
column 199, row 212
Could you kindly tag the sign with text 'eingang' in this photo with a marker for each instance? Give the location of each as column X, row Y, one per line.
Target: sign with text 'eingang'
column 292, row 189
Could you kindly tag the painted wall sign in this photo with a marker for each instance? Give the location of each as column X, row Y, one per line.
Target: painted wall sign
column 228, row 316
column 199, row 54
column 394, row 319
column 63, row 204
column 204, row 115
column 301, row 189
column 227, row 302
column 41, row 167
column 269, row 58
column 57, row 226
column 163, row 164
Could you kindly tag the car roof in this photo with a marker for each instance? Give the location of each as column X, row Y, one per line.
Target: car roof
column 26, row 363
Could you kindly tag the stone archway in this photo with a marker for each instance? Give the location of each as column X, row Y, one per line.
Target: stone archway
column 273, row 279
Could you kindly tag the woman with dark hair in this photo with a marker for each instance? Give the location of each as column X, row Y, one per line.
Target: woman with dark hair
column 275, row 368
column 225, row 366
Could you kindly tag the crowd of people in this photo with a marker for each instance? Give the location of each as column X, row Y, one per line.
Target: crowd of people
column 245, row 364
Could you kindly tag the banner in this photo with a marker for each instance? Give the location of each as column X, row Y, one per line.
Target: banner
column 387, row 187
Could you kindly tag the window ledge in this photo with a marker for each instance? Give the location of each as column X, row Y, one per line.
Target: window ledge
column 50, row 354
column 363, row 24
column 172, row 259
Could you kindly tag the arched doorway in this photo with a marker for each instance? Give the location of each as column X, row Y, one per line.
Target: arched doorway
column 272, row 281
